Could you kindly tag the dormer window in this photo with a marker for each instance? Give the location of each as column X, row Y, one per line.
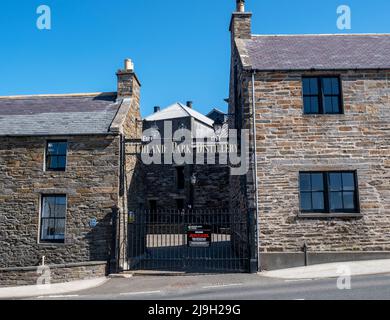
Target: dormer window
column 322, row 95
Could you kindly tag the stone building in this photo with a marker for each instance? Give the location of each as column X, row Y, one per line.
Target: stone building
column 63, row 199
column 198, row 186
column 218, row 115
column 319, row 109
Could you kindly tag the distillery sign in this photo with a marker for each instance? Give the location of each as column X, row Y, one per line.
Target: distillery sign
column 199, row 236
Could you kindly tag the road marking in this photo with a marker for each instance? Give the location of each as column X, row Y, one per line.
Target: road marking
column 224, row 286
column 298, row 280
column 135, row 293
column 59, row 296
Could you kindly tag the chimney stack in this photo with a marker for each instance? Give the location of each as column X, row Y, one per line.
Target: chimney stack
column 128, row 83
column 240, row 5
column 189, row 104
column 157, row 109
column 241, row 23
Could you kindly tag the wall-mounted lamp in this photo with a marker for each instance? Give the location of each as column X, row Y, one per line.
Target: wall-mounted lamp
column 193, row 179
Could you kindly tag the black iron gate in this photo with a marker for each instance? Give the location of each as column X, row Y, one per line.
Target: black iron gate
column 190, row 241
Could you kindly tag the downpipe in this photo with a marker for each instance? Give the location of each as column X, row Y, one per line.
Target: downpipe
column 257, row 220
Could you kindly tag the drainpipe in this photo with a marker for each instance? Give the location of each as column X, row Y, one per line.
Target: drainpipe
column 257, row 220
column 122, row 166
column 122, row 214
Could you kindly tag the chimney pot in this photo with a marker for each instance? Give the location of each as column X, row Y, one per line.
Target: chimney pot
column 129, row 65
column 189, row 104
column 240, row 5
column 240, row 24
column 157, row 109
column 128, row 84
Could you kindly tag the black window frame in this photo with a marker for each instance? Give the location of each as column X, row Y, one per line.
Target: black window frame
column 42, row 240
column 48, row 156
column 321, row 95
column 327, row 194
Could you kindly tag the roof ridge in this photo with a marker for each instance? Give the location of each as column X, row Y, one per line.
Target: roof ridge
column 195, row 114
column 64, row 95
column 215, row 109
column 184, row 108
column 320, row 34
column 188, row 113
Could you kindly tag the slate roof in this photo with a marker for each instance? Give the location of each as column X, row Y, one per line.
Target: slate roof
column 217, row 111
column 57, row 114
column 320, row 52
column 178, row 110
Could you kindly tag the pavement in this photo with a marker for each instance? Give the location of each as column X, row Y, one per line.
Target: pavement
column 368, row 279
column 332, row 270
column 51, row 289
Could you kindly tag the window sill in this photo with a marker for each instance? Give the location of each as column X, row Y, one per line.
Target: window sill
column 331, row 215
column 322, row 114
column 52, row 244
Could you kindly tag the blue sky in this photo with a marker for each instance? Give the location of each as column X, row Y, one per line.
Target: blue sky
column 180, row 47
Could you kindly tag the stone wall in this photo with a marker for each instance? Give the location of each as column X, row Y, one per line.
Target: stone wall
column 131, row 175
column 98, row 166
column 90, row 183
column 132, row 129
column 242, row 188
column 58, row 274
column 290, row 142
column 212, row 187
column 211, row 190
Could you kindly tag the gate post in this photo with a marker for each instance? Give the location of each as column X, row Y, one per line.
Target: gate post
column 252, row 242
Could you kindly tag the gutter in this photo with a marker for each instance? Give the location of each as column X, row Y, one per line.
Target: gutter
column 257, row 220
column 58, row 135
column 251, row 69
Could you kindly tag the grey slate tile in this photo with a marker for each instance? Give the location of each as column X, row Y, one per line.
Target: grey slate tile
column 63, row 115
column 321, row 52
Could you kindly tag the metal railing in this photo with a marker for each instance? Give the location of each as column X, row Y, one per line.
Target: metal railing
column 191, row 241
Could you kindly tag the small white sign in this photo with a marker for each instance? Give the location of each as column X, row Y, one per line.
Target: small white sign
column 93, row 223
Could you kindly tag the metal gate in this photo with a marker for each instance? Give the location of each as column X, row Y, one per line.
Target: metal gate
column 189, row 241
